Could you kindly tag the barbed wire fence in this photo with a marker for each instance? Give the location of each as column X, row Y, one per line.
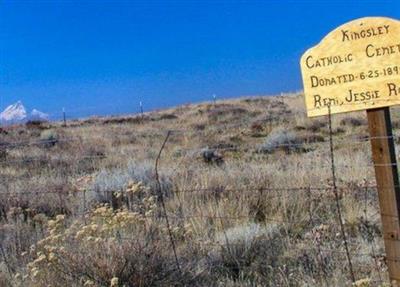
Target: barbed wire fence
column 334, row 189
column 315, row 249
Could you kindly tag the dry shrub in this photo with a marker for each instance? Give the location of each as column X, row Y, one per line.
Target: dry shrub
column 52, row 197
column 315, row 125
column 311, row 138
column 199, row 126
column 3, row 153
column 396, row 124
column 108, row 181
column 281, row 139
column 120, row 245
column 3, row 131
column 89, row 159
column 4, row 277
column 248, row 252
column 225, row 110
column 55, row 200
column 37, row 124
column 257, row 127
column 260, row 128
column 212, row 156
column 167, row 117
column 257, row 101
column 48, row 138
column 125, row 120
column 353, row 122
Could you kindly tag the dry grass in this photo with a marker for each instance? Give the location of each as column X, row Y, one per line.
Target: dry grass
column 235, row 223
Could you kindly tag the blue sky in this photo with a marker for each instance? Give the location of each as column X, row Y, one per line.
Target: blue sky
column 104, row 57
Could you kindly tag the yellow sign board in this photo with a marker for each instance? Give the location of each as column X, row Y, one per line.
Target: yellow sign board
column 355, row 67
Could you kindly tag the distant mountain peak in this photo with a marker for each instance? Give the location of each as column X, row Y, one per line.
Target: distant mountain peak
column 16, row 113
column 38, row 115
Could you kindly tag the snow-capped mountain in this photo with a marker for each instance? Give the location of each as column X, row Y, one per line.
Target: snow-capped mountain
column 38, row 115
column 13, row 113
column 16, row 113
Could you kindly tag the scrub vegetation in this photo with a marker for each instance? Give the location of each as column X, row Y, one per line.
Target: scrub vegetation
column 246, row 185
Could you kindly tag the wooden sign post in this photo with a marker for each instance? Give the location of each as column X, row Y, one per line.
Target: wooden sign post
column 387, row 180
column 357, row 67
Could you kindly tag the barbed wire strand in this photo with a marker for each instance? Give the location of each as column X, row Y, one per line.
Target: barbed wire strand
column 213, row 190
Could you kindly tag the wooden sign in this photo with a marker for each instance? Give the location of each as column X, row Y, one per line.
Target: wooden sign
column 355, row 67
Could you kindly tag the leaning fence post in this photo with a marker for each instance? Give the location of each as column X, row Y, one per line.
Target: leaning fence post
column 161, row 199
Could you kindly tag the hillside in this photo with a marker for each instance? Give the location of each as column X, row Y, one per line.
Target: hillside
column 246, row 183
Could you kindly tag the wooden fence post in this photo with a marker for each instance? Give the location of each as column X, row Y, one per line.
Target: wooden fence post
column 387, row 180
column 64, row 118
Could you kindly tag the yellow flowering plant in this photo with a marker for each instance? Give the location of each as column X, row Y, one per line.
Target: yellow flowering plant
column 96, row 249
